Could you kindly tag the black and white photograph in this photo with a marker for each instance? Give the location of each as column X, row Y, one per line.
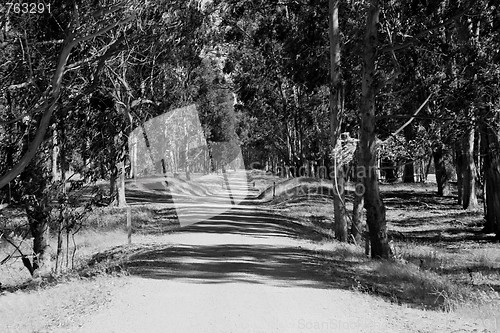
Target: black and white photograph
column 249, row 166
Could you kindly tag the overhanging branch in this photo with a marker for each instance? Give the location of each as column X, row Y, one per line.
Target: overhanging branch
column 50, row 103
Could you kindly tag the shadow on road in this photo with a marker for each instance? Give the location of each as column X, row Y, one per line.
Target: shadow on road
column 286, row 266
column 256, row 259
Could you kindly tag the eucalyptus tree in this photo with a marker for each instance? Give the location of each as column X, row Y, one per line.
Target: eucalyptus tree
column 98, row 54
column 39, row 80
column 336, row 116
column 277, row 62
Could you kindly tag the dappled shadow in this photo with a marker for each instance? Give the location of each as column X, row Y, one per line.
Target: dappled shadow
column 444, row 235
column 436, row 220
column 417, row 200
column 441, row 227
column 230, row 263
column 140, row 197
column 284, row 266
column 253, row 222
column 440, row 217
column 252, row 263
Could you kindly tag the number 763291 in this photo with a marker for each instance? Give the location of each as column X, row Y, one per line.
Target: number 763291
column 27, row 8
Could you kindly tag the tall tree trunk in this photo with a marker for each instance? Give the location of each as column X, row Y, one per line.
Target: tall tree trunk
column 117, row 179
column 339, row 206
column 120, row 197
column 336, row 114
column 120, row 170
column 443, row 171
column 469, row 200
column 55, row 154
column 186, row 154
column 459, row 167
column 375, row 210
column 357, row 217
column 357, row 210
column 112, row 182
column 492, row 179
column 62, row 153
column 37, row 208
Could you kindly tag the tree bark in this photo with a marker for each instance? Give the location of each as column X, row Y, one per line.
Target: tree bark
column 375, row 210
column 409, row 168
column 121, row 200
column 357, row 218
column 459, row 167
column 469, row 200
column 336, row 114
column 357, row 210
column 443, row 171
column 492, row 180
column 38, row 216
column 55, row 154
column 112, row 182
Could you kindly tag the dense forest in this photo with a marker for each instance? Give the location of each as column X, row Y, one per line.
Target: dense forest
column 354, row 91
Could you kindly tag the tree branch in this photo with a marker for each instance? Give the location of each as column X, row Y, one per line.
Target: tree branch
column 50, row 104
column 411, row 119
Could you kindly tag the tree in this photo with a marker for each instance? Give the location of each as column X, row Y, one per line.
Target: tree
column 47, row 102
column 442, row 157
column 336, row 116
column 492, row 176
column 375, row 210
column 49, row 96
column 272, row 60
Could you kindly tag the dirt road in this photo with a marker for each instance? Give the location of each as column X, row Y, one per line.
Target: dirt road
column 249, row 270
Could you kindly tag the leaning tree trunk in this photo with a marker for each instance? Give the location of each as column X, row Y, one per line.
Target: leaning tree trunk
column 375, row 210
column 469, row 198
column 336, row 114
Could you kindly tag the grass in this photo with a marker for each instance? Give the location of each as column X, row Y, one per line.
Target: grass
column 52, row 307
column 104, row 228
column 441, row 259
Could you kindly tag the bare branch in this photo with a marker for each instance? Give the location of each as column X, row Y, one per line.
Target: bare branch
column 412, row 118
